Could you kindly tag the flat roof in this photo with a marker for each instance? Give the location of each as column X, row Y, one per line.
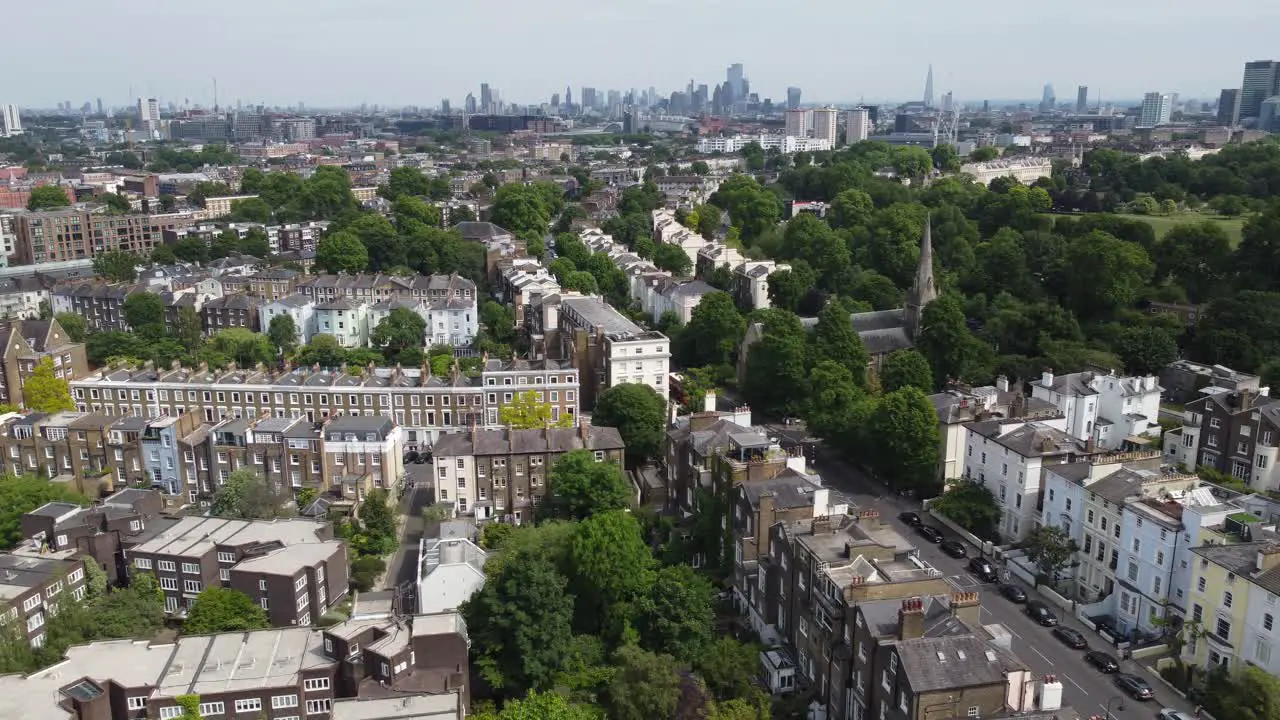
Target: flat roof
column 291, row 558
column 401, row 707
column 193, row 536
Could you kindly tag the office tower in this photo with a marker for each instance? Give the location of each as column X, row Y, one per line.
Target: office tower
column 1048, row 101
column 555, row 100
column 947, row 102
column 857, row 125
column 1082, row 99
column 444, row 106
column 793, row 98
column 1269, row 114
column 1229, row 107
column 100, row 106
column 469, row 105
column 928, row 88
column 486, row 98
column 148, row 114
column 986, row 106
column 734, row 78
column 1155, row 111
column 824, row 124
column 797, row 123
column 1261, row 81
column 588, row 98
column 10, row 121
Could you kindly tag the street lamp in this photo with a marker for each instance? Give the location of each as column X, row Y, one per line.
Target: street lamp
column 1118, row 707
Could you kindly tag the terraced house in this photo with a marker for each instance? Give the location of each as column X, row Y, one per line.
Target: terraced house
column 423, row 406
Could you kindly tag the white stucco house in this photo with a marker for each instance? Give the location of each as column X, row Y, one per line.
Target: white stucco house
column 298, row 306
column 1112, row 410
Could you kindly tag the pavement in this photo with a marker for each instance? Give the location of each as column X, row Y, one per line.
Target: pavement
column 1085, row 689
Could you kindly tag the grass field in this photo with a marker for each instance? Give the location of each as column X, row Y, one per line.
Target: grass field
column 1163, row 223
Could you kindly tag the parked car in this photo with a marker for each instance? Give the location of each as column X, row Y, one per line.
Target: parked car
column 1136, row 687
column 910, row 518
column 983, row 568
column 1013, row 593
column 1102, row 661
column 1041, row 613
column 1071, row 638
column 1172, row 714
column 932, row 534
column 954, row 548
column 424, row 458
column 410, row 456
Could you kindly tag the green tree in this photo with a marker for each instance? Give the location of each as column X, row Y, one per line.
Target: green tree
column 904, row 368
column 163, row 255
column 400, row 330
column 945, row 340
column 342, row 252
column 520, row 624
column 834, row 339
column 612, row 567
column 789, row 289
column 43, row 391
column 251, row 210
column 218, row 609
column 47, row 197
column 404, row 181
column 850, row 209
column 499, row 320
column 709, row 219
column 1118, row 271
column 411, row 212
column 1196, row 256
column 72, row 324
column 984, row 154
column 646, row 687
column 677, row 615
column 673, row 259
column 945, row 158
column 831, row 402
column 22, row 494
column 188, row 329
column 1145, row 350
column 283, row 332
column 1050, row 548
column 715, row 328
column 116, row 266
column 245, row 347
column 246, row 495
column 728, row 667
column 971, row 506
column 541, row 706
column 527, row 412
column 116, row 204
column 323, row 350
column 905, row 433
column 640, row 415
column 144, row 312
column 776, row 370
column 578, row 487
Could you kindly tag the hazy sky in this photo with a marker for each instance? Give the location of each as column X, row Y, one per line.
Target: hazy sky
column 397, row 52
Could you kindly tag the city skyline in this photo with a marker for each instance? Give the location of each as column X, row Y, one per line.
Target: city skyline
column 404, row 62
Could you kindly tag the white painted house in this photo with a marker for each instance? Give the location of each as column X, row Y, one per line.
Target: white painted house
column 298, row 306
column 346, row 320
column 1007, row 457
column 1112, row 410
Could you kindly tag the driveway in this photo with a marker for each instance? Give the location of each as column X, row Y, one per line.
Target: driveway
column 402, row 568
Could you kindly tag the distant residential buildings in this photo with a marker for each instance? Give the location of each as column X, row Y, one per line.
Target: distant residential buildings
column 1261, row 80
column 857, row 125
column 10, row 120
column 1025, row 170
column 825, row 121
column 784, row 143
column 1112, row 412
column 1155, row 111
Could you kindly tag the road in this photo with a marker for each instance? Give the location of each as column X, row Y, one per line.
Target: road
column 1084, row 688
column 403, row 566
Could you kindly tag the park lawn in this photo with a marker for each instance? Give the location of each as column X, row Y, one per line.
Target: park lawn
column 1164, row 223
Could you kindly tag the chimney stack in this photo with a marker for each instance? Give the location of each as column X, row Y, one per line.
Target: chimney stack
column 911, row 619
column 1046, row 377
column 1002, row 383
column 709, row 401
column 966, row 608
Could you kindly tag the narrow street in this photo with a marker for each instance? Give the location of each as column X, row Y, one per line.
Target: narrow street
column 402, row 568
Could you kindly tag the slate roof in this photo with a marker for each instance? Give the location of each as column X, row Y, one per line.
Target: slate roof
column 480, row 231
column 1032, row 439
column 935, row 664
column 1242, row 559
column 503, row 441
column 790, row 490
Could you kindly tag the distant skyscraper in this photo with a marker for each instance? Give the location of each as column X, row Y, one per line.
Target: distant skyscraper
column 793, row 98
column 1261, row 81
column 947, row 102
column 1156, row 108
column 857, row 125
column 797, row 123
column 486, row 98
column 1048, row 101
column 100, row 106
column 10, row 121
column 1229, row 107
column 555, row 100
column 735, row 77
column 588, row 98
column 445, row 107
column 825, row 121
column 148, row 114
column 928, row 88
column 1082, row 99
column 568, row 96
column 1269, row 114
column 469, row 105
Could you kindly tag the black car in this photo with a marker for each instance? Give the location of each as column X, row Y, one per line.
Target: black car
column 1136, row 687
column 983, row 568
column 1041, row 613
column 1013, row 593
column 1070, row 638
column 930, row 533
column 410, row 456
column 423, row 458
column 954, row 548
column 1102, row 661
column 910, row 518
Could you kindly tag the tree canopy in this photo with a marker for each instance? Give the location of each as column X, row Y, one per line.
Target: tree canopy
column 218, row 609
column 578, row 487
column 640, row 415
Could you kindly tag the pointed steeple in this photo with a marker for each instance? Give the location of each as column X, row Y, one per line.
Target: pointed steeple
column 923, row 290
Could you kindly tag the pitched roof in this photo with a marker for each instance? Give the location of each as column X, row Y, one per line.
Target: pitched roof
column 935, row 664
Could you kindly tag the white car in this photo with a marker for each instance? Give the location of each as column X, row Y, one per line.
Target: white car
column 1172, row 714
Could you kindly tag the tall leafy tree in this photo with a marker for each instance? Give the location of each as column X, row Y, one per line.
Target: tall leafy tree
column 612, row 568
column 945, row 340
column 541, row 706
column 834, row 339
column 832, row 400
column 1145, row 350
column 72, row 324
column 790, row 289
column 904, row 368
column 673, row 259
column 188, row 328
column 1196, row 256
column 521, row 625
column 219, row 609
column 22, row 494
column 715, row 328
column 1118, row 271
column 400, row 330
column 776, row 377
column 283, row 332
column 47, row 197
column 640, row 415
column 342, row 252
column 527, row 412
column 905, row 432
column 144, row 312
column 246, row 495
column 43, row 391
column 677, row 615
column 647, row 686
column 116, row 266
column 579, row 487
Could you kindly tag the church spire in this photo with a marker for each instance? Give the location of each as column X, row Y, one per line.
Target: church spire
column 923, row 290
